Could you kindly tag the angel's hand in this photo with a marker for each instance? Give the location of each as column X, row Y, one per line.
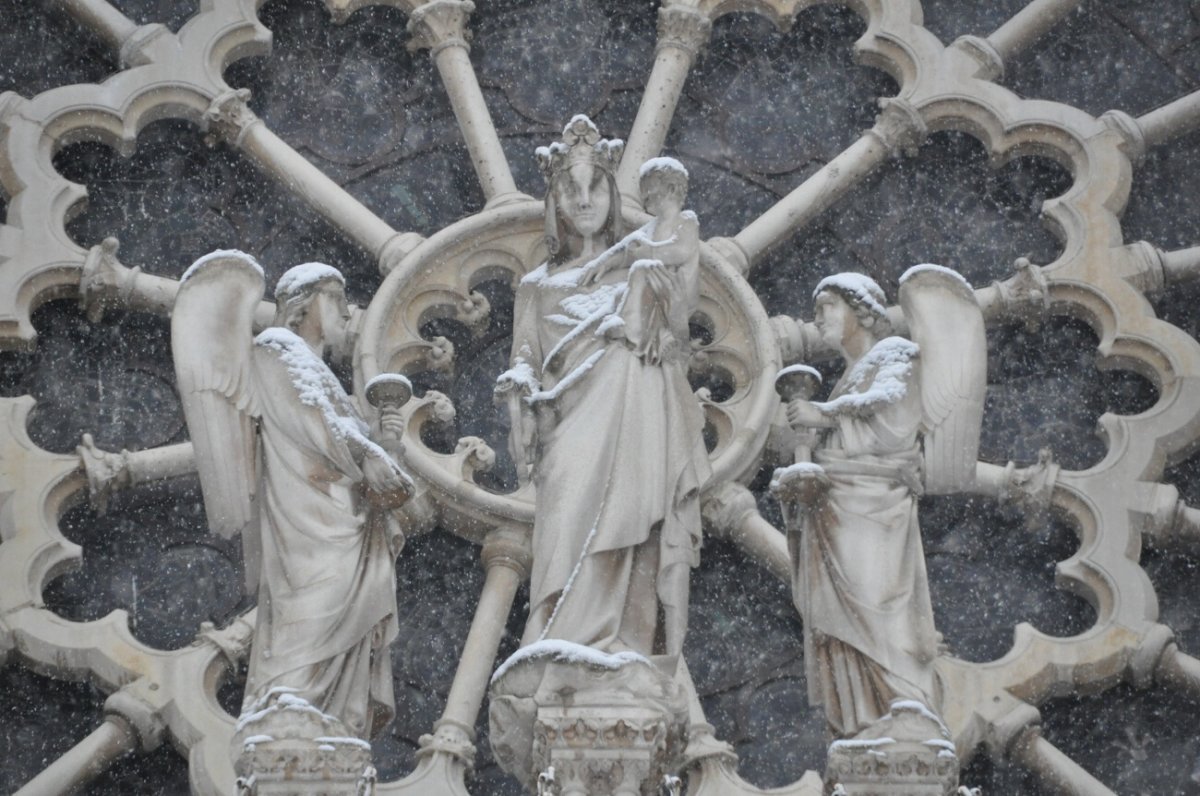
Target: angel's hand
column 384, row 475
column 804, row 414
column 391, row 422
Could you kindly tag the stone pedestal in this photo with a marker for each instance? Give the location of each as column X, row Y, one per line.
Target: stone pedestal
column 283, row 746
column 906, row 753
column 567, row 720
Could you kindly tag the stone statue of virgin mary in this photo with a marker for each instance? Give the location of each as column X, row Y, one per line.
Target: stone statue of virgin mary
column 603, row 418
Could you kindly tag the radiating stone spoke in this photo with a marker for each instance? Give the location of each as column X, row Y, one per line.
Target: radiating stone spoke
column 1158, row 127
column 1058, row 773
column 899, row 128
column 1026, row 27
column 449, row 753
column 682, row 33
column 440, row 27
column 730, row 512
column 108, row 284
column 135, row 44
column 85, row 761
column 1179, row 670
column 230, row 119
column 110, row 472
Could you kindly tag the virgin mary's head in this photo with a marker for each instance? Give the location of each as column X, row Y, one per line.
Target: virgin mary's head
column 582, row 200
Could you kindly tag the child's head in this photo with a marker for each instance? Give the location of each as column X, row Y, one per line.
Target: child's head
column 663, row 180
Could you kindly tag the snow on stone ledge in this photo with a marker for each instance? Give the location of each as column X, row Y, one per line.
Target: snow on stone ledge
column 580, row 118
column 917, row 270
column 913, row 706
column 220, row 254
column 343, row 740
column 277, row 699
column 861, row 743
column 301, row 276
column 799, row 369
column 782, row 474
column 569, row 652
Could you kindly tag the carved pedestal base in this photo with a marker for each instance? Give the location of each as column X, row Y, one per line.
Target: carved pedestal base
column 286, row 747
column 569, row 721
column 905, row 753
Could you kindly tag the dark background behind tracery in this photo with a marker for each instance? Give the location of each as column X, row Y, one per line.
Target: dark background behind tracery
column 761, row 111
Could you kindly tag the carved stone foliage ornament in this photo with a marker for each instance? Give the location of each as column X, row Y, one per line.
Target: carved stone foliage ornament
column 733, row 350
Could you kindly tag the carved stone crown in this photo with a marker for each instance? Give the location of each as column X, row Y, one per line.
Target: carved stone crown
column 581, row 144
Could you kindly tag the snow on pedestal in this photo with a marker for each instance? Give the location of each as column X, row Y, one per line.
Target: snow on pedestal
column 284, row 746
column 591, row 722
column 906, row 753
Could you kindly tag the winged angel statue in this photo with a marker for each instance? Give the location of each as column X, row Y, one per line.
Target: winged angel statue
column 903, row 420
column 285, row 460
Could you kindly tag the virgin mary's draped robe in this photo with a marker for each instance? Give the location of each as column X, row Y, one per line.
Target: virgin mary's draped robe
column 621, row 459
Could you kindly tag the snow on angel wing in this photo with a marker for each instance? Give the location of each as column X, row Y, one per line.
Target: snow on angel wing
column 946, row 323
column 211, row 342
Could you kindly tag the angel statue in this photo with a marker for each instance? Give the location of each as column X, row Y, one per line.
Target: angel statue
column 903, row 420
column 603, row 418
column 285, row 461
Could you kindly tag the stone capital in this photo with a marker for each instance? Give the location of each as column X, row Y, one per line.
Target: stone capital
column 233, row 640
column 508, row 547
column 1147, row 266
column 439, row 24
column 1143, row 664
column 732, row 252
column 105, row 283
column 1133, row 137
column 451, row 738
column 1011, row 720
column 727, row 506
column 106, row 472
column 683, row 28
column 229, row 117
column 147, row 44
column 135, row 709
column 1025, row 295
column 900, row 126
column 1032, row 487
column 396, row 249
column 991, row 63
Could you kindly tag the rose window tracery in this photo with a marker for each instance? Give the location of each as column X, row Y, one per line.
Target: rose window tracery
column 395, row 140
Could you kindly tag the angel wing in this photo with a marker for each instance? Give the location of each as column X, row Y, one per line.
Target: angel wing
column 944, row 319
column 211, row 342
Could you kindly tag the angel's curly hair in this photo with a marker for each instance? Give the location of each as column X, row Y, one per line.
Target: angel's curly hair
column 297, row 288
column 868, row 316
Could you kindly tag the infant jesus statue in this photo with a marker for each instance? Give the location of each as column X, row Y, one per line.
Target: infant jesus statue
column 663, row 258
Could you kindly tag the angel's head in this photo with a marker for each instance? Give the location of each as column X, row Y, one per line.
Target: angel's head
column 310, row 299
column 849, row 309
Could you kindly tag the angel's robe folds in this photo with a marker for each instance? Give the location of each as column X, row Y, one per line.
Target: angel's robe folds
column 327, row 599
column 620, row 464
column 860, row 577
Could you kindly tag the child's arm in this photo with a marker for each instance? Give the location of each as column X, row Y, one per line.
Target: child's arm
column 676, row 250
